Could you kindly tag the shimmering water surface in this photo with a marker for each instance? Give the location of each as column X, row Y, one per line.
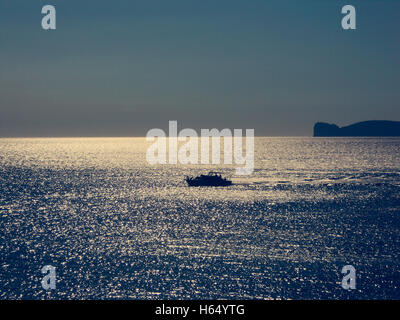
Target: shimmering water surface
column 116, row 227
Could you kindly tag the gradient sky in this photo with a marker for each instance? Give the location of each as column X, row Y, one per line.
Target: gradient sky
column 120, row 68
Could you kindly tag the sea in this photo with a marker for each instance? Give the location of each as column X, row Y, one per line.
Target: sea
column 115, row 227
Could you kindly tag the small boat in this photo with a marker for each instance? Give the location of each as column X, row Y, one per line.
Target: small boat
column 212, row 179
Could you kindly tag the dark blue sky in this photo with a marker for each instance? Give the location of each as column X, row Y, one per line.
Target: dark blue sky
column 120, row 68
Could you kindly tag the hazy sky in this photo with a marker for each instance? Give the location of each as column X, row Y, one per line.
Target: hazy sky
column 120, row 68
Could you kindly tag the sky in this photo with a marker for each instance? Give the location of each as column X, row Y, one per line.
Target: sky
column 121, row 68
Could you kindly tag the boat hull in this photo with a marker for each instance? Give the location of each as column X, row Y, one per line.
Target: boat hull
column 193, row 183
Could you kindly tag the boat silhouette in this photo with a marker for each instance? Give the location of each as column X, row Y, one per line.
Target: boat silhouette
column 212, row 179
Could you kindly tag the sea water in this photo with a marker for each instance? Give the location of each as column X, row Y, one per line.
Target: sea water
column 116, row 227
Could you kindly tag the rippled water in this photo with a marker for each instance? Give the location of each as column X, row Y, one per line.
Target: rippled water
column 116, row 227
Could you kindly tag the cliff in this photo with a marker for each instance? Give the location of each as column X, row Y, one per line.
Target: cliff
column 377, row 128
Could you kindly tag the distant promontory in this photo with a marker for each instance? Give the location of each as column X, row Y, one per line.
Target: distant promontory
column 375, row 128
